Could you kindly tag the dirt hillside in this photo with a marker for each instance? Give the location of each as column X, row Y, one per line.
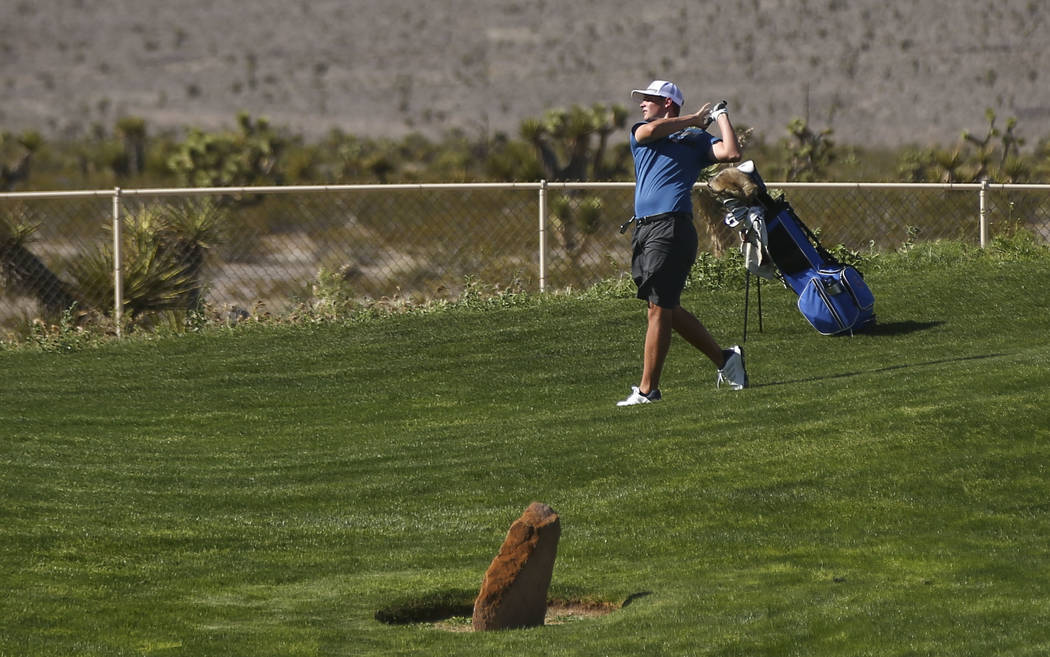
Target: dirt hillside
column 877, row 72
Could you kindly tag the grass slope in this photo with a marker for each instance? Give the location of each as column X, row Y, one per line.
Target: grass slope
column 265, row 491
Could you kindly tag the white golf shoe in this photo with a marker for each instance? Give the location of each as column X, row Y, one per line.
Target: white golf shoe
column 637, row 397
column 733, row 373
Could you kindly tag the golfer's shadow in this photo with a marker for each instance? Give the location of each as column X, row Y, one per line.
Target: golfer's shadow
column 894, row 328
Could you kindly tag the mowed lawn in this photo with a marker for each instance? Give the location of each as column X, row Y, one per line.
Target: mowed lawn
column 266, row 490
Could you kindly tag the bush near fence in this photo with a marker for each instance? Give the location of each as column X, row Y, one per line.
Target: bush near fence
column 277, row 249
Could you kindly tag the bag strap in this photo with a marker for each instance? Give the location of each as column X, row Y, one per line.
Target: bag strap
column 776, row 206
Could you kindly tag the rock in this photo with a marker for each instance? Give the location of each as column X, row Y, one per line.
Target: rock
column 514, row 591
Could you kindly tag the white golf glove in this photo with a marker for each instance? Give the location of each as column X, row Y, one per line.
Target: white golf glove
column 718, row 111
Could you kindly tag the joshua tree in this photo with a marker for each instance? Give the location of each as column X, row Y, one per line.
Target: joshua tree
column 132, row 131
column 16, row 153
column 810, row 152
column 573, row 146
column 993, row 156
column 246, row 157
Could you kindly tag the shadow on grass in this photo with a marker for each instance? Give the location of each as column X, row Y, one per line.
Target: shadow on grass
column 635, row 596
column 428, row 608
column 879, row 329
column 879, row 370
column 898, row 328
column 449, row 603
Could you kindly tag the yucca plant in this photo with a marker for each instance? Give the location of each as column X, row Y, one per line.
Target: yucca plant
column 163, row 255
column 189, row 230
column 16, row 228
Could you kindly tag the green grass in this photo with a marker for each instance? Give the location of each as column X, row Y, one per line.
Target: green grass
column 267, row 490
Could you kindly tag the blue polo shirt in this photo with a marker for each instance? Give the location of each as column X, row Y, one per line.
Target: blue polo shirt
column 665, row 170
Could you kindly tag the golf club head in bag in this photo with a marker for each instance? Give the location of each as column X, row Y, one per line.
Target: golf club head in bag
column 742, row 183
column 751, row 171
column 740, row 190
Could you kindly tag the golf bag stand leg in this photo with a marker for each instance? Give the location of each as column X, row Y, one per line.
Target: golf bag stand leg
column 758, row 290
column 747, row 295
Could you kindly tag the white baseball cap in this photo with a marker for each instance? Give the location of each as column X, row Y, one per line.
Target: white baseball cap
column 661, row 88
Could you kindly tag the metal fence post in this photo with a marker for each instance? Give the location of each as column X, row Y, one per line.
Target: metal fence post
column 543, row 235
column 984, row 213
column 118, row 278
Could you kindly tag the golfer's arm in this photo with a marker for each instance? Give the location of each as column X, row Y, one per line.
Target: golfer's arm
column 660, row 128
column 727, row 150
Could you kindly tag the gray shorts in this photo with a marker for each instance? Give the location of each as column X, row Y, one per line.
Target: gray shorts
column 663, row 253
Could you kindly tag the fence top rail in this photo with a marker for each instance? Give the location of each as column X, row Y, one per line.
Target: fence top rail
column 543, row 184
column 891, row 185
column 77, row 193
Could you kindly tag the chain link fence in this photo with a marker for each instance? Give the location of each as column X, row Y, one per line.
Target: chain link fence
column 244, row 251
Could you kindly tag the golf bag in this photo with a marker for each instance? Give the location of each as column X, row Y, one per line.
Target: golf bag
column 831, row 295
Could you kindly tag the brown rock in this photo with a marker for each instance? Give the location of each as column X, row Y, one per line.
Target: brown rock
column 514, row 590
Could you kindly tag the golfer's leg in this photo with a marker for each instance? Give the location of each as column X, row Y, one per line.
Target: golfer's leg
column 657, row 342
column 689, row 327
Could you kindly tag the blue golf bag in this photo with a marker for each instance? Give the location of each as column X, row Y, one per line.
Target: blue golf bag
column 831, row 295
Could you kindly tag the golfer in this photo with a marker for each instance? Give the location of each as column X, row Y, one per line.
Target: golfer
column 670, row 151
